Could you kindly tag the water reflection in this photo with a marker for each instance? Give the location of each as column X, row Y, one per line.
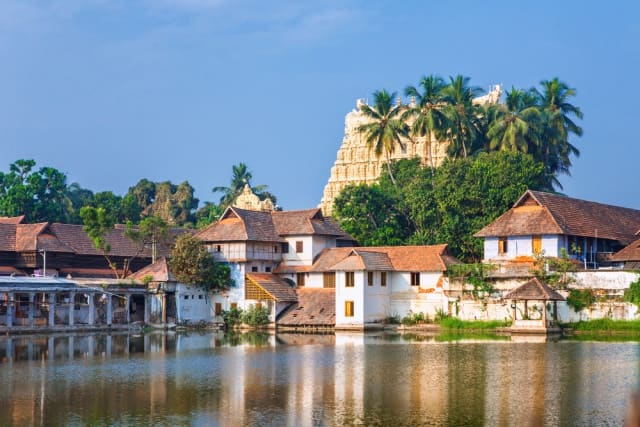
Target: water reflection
column 306, row 379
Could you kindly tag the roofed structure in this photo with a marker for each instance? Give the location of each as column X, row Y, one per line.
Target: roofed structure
column 158, row 271
column 315, row 307
column 261, row 286
column 630, row 255
column 534, row 289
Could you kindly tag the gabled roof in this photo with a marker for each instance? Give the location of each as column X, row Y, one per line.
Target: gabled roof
column 27, row 236
column 274, row 286
column 537, row 212
column 631, row 252
column 246, row 225
column 7, row 237
column 381, row 258
column 11, row 219
column 534, row 289
column 315, row 307
column 74, row 237
column 159, row 272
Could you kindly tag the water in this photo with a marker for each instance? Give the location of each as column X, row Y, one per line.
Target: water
column 307, row 380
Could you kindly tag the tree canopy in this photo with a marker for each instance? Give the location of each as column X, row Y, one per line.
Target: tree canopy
column 191, row 264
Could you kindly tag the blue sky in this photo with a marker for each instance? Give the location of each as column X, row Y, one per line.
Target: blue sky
column 111, row 91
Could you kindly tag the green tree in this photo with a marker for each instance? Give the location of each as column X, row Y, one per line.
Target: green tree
column 207, row 214
column 385, row 127
column 241, row 176
column 428, row 113
column 149, row 233
column 193, row 265
column 516, row 125
column 465, row 129
column 79, row 198
column 175, row 204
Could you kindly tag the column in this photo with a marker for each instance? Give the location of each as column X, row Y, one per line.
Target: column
column 147, row 308
column 127, row 306
column 109, row 309
column 72, row 306
column 10, row 310
column 92, row 309
column 164, row 308
column 52, row 309
column 32, row 306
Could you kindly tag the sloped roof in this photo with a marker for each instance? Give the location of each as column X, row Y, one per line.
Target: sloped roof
column 159, row 272
column 397, row 258
column 27, row 236
column 534, row 289
column 631, row 252
column 305, row 222
column 11, row 219
column 7, row 237
column 274, row 286
column 314, row 307
column 537, row 212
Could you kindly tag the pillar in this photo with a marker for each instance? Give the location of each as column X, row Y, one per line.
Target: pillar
column 32, row 306
column 10, row 310
column 127, row 307
column 92, row 310
column 109, row 310
column 52, row 309
column 544, row 313
column 514, row 308
column 164, row 308
column 147, row 308
column 526, row 310
column 72, row 305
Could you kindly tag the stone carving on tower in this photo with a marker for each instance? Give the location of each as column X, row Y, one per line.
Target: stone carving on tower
column 250, row 201
column 357, row 164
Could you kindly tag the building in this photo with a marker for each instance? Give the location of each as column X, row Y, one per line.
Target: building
column 550, row 224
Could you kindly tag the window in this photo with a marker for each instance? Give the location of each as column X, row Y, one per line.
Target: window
column 275, row 249
column 254, row 269
column 349, row 279
column 536, row 244
column 329, row 279
column 258, row 306
column 267, row 269
column 285, row 248
column 299, row 246
column 200, row 296
column 502, row 245
column 383, row 278
column 348, row 309
column 218, row 248
column 300, row 279
column 186, row 297
column 370, row 278
column 218, row 309
column 234, row 305
column 415, row 279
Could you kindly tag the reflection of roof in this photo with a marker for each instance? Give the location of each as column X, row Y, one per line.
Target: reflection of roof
column 545, row 213
column 534, row 289
column 245, row 225
column 158, row 271
column 274, row 286
column 380, row 258
column 631, row 252
column 315, row 307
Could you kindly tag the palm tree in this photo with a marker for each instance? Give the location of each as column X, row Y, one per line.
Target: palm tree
column 429, row 110
column 241, row 176
column 385, row 128
column 515, row 126
column 558, row 125
column 464, row 128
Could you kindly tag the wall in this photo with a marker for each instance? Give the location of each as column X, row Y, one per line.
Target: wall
column 355, row 294
column 303, row 258
column 376, row 298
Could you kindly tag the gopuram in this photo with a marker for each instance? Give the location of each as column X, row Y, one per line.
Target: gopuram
column 357, row 164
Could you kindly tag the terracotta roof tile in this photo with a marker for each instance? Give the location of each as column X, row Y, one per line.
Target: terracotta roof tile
column 274, row 285
column 534, row 289
column 359, row 260
column 537, row 212
column 315, row 307
column 159, row 271
column 631, row 252
column 11, row 219
column 7, row 237
column 27, row 236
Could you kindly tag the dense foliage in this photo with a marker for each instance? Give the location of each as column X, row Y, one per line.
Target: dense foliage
column 632, row 294
column 579, row 299
column 443, row 205
column 193, row 265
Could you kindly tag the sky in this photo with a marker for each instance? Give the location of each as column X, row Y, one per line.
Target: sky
column 112, row 91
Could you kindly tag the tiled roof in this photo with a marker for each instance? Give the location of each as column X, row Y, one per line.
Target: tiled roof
column 7, row 237
column 27, row 236
column 364, row 260
column 11, row 219
column 274, row 286
column 74, row 237
column 283, row 268
column 315, row 307
column 245, row 225
column 537, row 212
column 534, row 289
column 401, row 258
column 159, row 271
column 631, row 252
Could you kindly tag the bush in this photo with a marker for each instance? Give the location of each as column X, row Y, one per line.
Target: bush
column 632, row 294
column 580, row 299
column 393, row 320
column 255, row 316
column 414, row 319
column 232, row 317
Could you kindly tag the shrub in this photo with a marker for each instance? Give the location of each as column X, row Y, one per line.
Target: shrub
column 632, row 294
column 414, row 319
column 393, row 320
column 580, row 299
column 232, row 317
column 255, row 316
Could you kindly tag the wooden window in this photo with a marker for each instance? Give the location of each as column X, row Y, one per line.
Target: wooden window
column 348, row 309
column 329, row 279
column 415, row 279
column 349, row 279
column 383, row 278
column 300, row 279
column 234, row 305
column 218, row 309
column 502, row 246
column 299, row 246
column 370, row 278
column 536, row 244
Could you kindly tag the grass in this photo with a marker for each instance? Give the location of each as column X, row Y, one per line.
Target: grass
column 455, row 323
column 606, row 325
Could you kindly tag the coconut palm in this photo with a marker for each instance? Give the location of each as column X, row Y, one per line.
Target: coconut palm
column 465, row 126
column 515, row 125
column 385, row 127
column 428, row 113
column 241, row 176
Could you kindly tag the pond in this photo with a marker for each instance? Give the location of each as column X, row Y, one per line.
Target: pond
column 305, row 380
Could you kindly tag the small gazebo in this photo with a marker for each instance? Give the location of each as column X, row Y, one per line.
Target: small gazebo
column 534, row 290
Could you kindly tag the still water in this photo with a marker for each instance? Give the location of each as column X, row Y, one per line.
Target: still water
column 306, row 380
